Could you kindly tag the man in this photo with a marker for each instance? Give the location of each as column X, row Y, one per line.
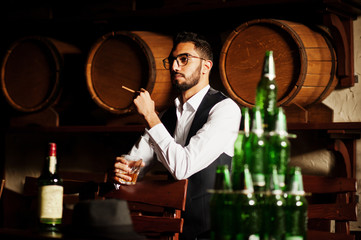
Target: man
column 194, row 136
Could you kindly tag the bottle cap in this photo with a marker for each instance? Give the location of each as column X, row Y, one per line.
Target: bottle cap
column 52, row 149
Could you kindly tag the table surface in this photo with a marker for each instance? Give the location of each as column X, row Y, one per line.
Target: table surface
column 32, row 234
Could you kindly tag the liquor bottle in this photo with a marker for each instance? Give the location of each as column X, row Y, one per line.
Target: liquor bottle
column 222, row 224
column 247, row 215
column 238, row 159
column 278, row 150
column 266, row 92
column 296, row 207
column 273, row 209
column 255, row 152
column 50, row 194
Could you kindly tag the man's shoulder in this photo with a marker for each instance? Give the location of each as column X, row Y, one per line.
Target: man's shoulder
column 222, row 97
column 212, row 91
column 226, row 104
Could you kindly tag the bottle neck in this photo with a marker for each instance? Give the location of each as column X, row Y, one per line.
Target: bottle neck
column 274, row 185
column 223, row 180
column 296, row 187
column 257, row 125
column 248, row 183
column 269, row 66
column 52, row 158
column 246, row 121
column 281, row 123
column 52, row 164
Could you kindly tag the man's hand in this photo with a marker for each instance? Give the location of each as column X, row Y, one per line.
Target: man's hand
column 146, row 107
column 123, row 166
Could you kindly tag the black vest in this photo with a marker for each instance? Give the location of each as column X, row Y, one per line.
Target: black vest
column 197, row 213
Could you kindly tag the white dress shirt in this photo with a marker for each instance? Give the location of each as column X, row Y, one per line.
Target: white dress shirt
column 216, row 136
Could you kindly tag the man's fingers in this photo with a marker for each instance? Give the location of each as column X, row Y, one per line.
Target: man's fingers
column 118, row 176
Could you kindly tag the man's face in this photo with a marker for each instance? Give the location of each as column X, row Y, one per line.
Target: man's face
column 185, row 77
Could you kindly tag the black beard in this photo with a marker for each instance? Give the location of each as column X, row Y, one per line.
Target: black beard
column 194, row 79
column 183, row 87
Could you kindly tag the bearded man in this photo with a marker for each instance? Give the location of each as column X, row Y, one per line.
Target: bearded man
column 192, row 137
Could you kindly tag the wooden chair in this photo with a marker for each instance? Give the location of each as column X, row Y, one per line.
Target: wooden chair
column 333, row 198
column 155, row 206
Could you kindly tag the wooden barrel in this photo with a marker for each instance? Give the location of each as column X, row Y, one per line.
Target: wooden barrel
column 31, row 72
column 305, row 62
column 131, row 59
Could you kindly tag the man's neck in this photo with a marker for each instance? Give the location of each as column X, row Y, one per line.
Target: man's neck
column 186, row 95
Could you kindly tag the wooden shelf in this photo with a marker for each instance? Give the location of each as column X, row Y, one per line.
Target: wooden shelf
column 345, row 126
column 77, row 129
column 335, row 127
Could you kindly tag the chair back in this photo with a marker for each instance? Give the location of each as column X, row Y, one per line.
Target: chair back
column 332, row 199
column 155, row 206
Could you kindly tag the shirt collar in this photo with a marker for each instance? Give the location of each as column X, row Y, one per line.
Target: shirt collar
column 194, row 101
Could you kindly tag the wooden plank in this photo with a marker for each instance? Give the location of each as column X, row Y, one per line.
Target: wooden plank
column 157, row 224
column 341, row 212
column 319, row 235
column 142, row 207
column 160, row 193
column 354, row 126
column 296, row 114
column 319, row 112
column 320, row 184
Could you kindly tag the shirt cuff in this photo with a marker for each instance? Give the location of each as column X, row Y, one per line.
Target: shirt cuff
column 158, row 133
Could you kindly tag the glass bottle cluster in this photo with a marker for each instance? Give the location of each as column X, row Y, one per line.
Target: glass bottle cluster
column 261, row 196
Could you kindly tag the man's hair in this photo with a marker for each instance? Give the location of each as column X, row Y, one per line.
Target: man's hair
column 201, row 45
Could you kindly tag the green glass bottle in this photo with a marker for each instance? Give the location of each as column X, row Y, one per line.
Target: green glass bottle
column 274, row 209
column 223, row 179
column 296, row 207
column 255, row 152
column 222, row 224
column 247, row 215
column 50, row 194
column 238, row 159
column 279, row 148
column 266, row 92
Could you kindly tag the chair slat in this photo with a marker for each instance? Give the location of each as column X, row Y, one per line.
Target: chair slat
column 145, row 224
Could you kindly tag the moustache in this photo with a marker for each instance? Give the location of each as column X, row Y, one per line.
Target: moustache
column 175, row 74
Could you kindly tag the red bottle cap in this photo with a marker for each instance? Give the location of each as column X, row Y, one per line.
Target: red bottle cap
column 52, row 149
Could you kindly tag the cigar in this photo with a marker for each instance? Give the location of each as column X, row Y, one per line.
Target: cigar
column 128, row 89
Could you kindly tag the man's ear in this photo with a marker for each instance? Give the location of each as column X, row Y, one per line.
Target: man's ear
column 207, row 66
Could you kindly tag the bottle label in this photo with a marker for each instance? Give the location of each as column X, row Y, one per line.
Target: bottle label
column 51, row 201
column 294, row 238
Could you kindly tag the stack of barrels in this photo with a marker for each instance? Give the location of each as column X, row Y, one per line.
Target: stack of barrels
column 39, row 73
